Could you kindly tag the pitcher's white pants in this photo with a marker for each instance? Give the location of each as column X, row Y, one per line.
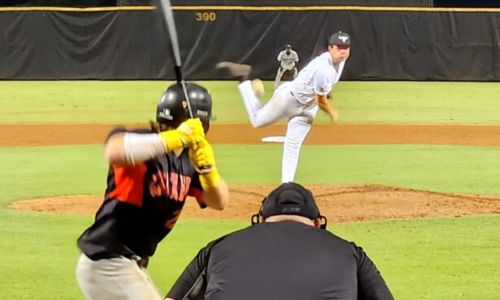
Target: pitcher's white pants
column 114, row 279
column 281, row 105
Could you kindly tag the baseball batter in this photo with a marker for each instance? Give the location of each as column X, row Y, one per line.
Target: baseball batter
column 297, row 100
column 288, row 59
column 151, row 173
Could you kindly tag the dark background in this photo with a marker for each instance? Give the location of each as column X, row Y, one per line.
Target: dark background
column 96, row 3
column 133, row 44
column 71, row 3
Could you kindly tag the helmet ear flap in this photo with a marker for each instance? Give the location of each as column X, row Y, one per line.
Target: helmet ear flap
column 201, row 105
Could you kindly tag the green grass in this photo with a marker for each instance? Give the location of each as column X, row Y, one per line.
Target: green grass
column 360, row 102
column 48, row 171
column 433, row 258
column 419, row 102
column 457, row 169
column 66, row 170
column 39, row 255
column 78, row 101
column 420, row 259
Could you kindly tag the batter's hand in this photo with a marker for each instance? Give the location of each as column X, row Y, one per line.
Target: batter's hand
column 203, row 158
column 186, row 135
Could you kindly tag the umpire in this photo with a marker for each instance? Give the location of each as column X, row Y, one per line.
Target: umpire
column 287, row 254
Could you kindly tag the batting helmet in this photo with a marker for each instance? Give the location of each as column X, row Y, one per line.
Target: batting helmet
column 173, row 109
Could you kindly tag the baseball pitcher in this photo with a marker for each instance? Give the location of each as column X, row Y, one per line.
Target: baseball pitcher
column 296, row 100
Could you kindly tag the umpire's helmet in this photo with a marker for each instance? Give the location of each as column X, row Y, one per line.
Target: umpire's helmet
column 173, row 109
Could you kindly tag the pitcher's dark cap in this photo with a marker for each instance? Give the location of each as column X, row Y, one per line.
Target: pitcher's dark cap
column 290, row 199
column 339, row 38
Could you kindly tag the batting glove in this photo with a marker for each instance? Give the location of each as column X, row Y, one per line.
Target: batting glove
column 186, row 135
column 203, row 159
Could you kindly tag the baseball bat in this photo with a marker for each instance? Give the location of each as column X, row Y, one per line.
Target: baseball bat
column 168, row 16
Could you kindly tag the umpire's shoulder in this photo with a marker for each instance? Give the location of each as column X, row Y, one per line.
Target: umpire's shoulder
column 333, row 238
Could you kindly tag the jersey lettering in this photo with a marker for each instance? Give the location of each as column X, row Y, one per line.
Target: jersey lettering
column 174, row 181
column 184, row 182
column 169, row 184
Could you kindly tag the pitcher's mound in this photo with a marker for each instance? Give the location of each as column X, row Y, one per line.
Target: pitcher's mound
column 337, row 203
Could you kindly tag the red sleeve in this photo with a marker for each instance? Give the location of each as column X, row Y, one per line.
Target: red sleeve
column 129, row 183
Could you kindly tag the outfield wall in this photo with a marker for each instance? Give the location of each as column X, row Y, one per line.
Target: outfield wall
column 388, row 43
column 428, row 3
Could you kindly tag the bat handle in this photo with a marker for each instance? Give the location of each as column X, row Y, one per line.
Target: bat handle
column 178, row 74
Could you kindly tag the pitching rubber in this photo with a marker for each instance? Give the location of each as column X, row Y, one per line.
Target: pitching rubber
column 273, row 139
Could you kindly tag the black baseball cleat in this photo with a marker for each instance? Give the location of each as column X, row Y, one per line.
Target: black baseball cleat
column 239, row 71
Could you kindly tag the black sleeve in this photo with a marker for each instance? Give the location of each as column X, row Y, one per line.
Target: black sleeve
column 193, row 276
column 371, row 285
column 192, row 282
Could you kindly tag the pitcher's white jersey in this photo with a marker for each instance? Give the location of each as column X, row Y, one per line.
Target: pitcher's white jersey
column 317, row 78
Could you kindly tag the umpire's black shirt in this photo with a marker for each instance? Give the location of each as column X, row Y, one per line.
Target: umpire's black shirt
column 284, row 260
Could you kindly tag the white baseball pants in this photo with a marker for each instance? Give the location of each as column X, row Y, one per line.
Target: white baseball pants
column 281, row 105
column 114, row 279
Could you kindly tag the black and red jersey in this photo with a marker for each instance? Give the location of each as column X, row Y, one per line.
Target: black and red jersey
column 141, row 205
